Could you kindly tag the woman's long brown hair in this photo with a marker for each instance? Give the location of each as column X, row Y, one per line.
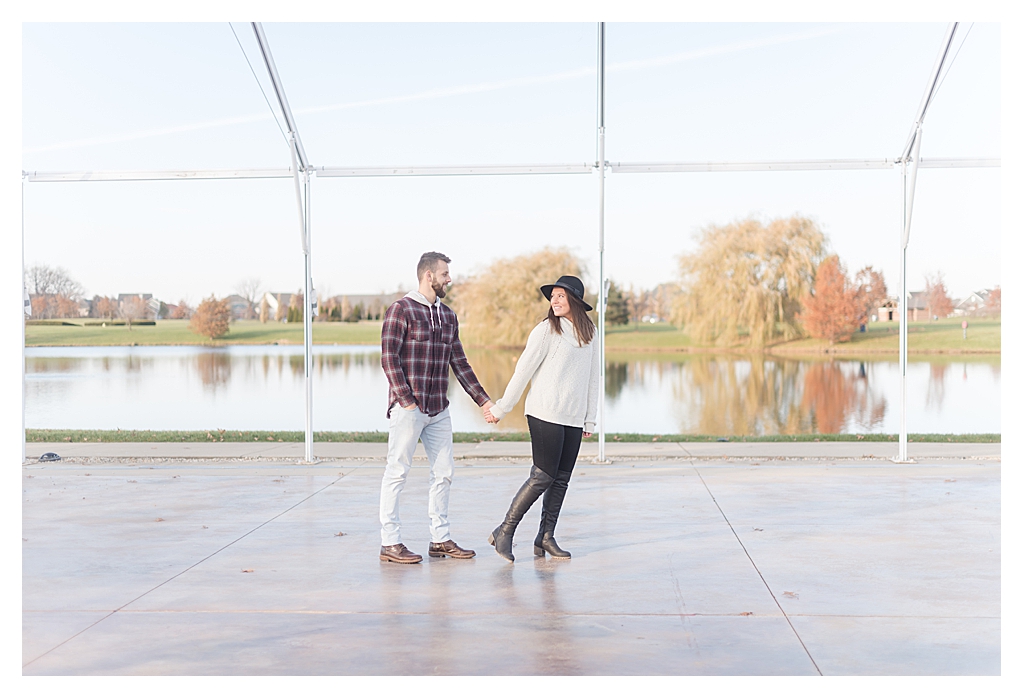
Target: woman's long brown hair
column 584, row 329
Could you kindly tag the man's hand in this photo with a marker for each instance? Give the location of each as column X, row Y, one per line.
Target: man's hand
column 487, row 415
column 587, row 434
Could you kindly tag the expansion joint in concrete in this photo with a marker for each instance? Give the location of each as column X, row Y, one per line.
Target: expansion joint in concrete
column 759, row 573
column 190, row 567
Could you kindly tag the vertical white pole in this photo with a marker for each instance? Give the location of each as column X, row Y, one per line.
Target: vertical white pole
column 602, row 302
column 21, row 302
column 903, row 328
column 908, row 194
column 307, row 328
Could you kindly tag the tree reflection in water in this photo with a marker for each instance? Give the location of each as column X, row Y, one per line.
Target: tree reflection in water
column 837, row 400
column 214, row 368
column 936, row 385
column 773, row 395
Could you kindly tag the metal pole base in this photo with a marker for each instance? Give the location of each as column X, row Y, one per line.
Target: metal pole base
column 598, row 461
column 314, row 461
column 908, row 461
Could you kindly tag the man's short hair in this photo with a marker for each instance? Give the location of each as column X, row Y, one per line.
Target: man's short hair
column 429, row 262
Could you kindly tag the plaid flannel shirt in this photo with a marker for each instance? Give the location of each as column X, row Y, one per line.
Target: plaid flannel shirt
column 418, row 343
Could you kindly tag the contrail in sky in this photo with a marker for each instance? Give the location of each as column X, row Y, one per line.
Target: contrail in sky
column 449, row 91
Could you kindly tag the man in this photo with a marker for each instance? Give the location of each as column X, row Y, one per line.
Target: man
column 419, row 341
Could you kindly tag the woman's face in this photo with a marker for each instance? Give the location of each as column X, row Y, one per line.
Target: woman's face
column 559, row 302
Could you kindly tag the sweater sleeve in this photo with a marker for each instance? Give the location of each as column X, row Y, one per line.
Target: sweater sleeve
column 532, row 356
column 590, row 422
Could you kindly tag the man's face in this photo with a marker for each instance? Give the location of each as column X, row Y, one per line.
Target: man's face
column 440, row 279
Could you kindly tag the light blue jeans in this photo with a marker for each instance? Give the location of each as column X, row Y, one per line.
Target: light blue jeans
column 406, row 429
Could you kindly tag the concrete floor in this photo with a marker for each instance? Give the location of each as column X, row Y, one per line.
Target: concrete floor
column 679, row 567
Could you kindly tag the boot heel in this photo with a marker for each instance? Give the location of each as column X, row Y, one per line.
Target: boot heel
column 491, row 539
column 538, row 551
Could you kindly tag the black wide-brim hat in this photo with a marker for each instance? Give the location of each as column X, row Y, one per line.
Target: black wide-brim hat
column 571, row 284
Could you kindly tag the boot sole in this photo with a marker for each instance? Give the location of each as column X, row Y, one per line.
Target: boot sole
column 453, row 557
column 540, row 552
column 384, row 558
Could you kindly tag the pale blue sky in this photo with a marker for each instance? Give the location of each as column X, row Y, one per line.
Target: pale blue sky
column 163, row 96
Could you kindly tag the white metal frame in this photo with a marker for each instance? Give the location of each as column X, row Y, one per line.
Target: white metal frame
column 303, row 172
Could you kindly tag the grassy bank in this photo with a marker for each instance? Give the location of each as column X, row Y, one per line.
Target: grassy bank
column 218, row 435
column 983, row 336
column 940, row 337
column 171, row 332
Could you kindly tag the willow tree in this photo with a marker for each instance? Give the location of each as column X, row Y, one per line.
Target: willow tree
column 747, row 278
column 500, row 305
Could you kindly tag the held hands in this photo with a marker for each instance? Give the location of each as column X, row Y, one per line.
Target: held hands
column 487, row 415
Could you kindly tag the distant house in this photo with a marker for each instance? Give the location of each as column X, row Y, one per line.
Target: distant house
column 373, row 305
column 275, row 301
column 973, row 304
column 239, row 307
column 916, row 304
column 887, row 311
column 152, row 304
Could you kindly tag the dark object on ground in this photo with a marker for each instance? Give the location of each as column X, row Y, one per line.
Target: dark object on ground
column 48, row 457
column 722, row 439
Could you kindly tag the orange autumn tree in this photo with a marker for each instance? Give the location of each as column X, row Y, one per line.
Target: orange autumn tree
column 212, row 318
column 833, row 309
column 938, row 303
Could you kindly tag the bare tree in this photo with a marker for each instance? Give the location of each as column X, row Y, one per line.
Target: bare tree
column 52, row 291
column 133, row 308
column 282, row 309
column 250, row 289
column 43, row 280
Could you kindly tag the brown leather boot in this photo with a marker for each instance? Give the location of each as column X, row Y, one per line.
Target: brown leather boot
column 451, row 549
column 399, row 553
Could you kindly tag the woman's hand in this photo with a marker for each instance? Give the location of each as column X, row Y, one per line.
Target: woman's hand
column 587, row 434
column 487, row 415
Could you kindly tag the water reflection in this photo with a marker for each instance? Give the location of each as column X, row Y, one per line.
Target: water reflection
column 833, row 399
column 936, row 385
column 214, row 369
column 263, row 387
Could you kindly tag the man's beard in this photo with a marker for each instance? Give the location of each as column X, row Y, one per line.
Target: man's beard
column 438, row 288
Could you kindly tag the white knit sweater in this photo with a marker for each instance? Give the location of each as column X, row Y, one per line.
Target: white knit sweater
column 565, row 377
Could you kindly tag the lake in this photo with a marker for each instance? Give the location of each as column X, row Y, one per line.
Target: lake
column 262, row 387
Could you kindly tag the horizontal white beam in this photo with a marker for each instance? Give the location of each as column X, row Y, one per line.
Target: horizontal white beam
column 792, row 165
column 960, row 162
column 142, row 175
column 573, row 168
column 454, row 170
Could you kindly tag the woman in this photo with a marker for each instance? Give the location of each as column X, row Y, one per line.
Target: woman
column 561, row 408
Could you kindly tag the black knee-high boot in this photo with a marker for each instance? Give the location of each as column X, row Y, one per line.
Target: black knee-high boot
column 530, row 491
column 552, row 501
